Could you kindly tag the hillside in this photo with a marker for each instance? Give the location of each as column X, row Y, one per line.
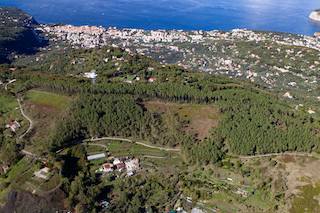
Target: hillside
column 109, row 130
column 17, row 33
column 285, row 64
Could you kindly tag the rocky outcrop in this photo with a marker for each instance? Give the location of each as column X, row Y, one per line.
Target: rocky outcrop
column 315, row 15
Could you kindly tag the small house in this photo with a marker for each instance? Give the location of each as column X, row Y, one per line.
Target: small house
column 152, row 79
column 116, row 161
column 90, row 75
column 120, row 166
column 43, row 173
column 132, row 165
column 107, row 167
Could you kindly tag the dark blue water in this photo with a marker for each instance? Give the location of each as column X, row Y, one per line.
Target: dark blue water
column 272, row 15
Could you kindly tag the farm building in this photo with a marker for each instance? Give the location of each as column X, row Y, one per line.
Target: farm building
column 96, row 156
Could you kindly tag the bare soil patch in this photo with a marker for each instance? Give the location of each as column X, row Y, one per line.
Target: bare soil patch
column 200, row 118
column 302, row 172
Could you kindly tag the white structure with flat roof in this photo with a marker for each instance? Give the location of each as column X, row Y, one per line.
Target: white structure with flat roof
column 96, row 156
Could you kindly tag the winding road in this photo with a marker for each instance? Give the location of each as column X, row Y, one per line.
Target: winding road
column 26, row 117
column 131, row 141
column 10, row 82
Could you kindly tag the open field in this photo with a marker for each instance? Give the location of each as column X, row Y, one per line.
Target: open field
column 295, row 178
column 48, row 99
column 200, row 118
column 44, row 108
column 120, row 149
column 9, row 110
column 307, row 200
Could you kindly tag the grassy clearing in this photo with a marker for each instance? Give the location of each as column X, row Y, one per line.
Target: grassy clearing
column 308, row 200
column 54, row 100
column 51, row 183
column 200, row 118
column 44, row 108
column 95, row 149
column 8, row 108
column 119, row 148
column 18, row 169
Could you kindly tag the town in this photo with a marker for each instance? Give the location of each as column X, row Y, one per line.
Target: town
column 239, row 53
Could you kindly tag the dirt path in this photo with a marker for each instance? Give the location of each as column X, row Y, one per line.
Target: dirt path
column 299, row 154
column 26, row 117
column 154, row 157
column 131, row 141
column 96, row 144
column 10, row 82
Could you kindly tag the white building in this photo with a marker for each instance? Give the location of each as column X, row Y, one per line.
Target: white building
column 90, row 75
column 43, row 173
column 132, row 165
column 96, row 156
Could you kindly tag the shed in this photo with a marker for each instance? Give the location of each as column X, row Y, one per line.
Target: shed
column 96, row 156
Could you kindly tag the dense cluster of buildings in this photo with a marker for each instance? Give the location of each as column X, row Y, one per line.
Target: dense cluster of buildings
column 128, row 165
column 90, row 36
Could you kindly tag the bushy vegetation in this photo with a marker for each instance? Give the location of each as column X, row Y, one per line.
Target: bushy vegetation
column 144, row 193
column 112, row 115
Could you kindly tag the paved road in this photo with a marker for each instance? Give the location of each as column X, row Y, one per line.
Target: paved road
column 131, row 141
column 26, row 117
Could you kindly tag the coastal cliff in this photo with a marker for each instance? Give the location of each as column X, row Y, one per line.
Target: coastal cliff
column 315, row 15
column 17, row 33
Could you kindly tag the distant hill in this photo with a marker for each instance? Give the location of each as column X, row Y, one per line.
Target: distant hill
column 17, row 33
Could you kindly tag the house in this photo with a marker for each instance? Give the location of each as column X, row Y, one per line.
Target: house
column 132, row 165
column 91, row 75
column 104, row 204
column 128, row 81
column 242, row 192
column 96, row 156
column 152, row 79
column 119, row 165
column 107, row 167
column 13, row 125
column 43, row 173
column 116, row 161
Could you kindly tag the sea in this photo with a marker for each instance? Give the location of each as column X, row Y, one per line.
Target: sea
column 263, row 15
